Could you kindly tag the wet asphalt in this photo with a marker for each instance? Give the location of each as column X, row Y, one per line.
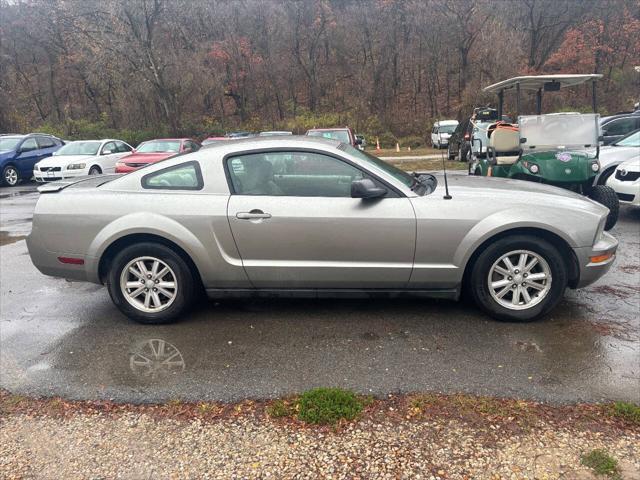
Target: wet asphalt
column 62, row 338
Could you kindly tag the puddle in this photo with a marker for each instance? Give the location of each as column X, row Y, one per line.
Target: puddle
column 7, row 239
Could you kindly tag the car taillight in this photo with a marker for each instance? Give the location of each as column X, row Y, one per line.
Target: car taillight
column 467, row 136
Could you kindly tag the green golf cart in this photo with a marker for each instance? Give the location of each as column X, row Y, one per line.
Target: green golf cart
column 559, row 149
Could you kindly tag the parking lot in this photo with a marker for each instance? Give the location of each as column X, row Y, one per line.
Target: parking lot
column 62, row 338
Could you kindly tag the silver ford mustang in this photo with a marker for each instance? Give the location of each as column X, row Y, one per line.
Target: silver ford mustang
column 303, row 216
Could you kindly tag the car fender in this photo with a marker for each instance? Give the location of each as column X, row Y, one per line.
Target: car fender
column 154, row 224
column 550, row 220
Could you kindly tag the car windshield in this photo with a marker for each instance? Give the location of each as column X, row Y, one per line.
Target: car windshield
column 9, row 143
column 631, row 140
column 157, row 146
column 79, row 148
column 395, row 172
column 340, row 135
column 447, row 128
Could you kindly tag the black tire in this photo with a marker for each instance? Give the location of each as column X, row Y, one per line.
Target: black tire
column 478, row 283
column 183, row 277
column 607, row 197
column 95, row 170
column 10, row 176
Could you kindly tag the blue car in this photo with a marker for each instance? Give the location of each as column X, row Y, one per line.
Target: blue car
column 19, row 153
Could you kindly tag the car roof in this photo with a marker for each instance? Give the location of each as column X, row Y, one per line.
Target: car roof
column 166, row 139
column 534, row 82
column 275, row 141
column 327, row 129
column 446, row 122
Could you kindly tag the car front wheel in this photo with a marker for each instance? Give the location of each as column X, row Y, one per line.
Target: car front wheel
column 518, row 278
column 10, row 176
column 150, row 283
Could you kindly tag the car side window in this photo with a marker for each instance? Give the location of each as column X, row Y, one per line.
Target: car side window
column 185, row 176
column 621, row 126
column 45, row 142
column 122, row 147
column 108, row 148
column 293, row 173
column 29, row 145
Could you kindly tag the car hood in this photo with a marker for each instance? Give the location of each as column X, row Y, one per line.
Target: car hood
column 147, row 157
column 7, row 153
column 512, row 192
column 63, row 160
column 631, row 165
column 617, row 154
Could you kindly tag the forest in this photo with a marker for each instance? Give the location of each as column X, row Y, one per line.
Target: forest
column 144, row 68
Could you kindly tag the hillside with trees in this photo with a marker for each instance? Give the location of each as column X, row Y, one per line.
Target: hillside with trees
column 385, row 67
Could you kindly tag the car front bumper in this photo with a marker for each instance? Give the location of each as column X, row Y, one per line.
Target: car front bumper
column 627, row 192
column 43, row 177
column 589, row 270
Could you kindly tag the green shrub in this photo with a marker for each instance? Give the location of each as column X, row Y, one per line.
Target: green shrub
column 280, row 408
column 327, row 406
column 387, row 140
column 627, row 411
column 413, row 141
column 601, row 462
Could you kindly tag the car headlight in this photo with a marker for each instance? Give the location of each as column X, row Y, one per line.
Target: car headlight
column 76, row 166
column 595, row 166
column 533, row 168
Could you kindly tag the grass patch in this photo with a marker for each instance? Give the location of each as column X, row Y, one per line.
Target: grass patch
column 391, row 152
column 280, row 408
column 328, row 406
column 626, row 411
column 601, row 463
column 433, row 164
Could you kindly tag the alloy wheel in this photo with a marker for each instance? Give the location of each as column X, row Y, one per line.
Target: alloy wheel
column 11, row 176
column 519, row 280
column 148, row 284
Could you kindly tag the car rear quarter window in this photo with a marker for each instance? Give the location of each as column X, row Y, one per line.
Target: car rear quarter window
column 185, row 176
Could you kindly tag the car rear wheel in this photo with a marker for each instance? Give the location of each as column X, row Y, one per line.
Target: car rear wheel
column 518, row 278
column 607, row 196
column 10, row 176
column 150, row 283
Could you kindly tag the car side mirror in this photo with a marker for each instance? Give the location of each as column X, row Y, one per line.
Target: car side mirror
column 187, row 150
column 366, row 188
column 107, row 152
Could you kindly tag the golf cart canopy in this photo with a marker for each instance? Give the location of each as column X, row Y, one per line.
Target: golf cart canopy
column 535, row 82
column 540, row 83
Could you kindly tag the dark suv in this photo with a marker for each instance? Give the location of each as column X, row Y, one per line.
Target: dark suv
column 459, row 141
column 19, row 153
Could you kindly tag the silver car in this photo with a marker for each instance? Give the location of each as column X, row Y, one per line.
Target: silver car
column 305, row 216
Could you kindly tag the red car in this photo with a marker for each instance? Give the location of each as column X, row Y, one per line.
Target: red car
column 153, row 151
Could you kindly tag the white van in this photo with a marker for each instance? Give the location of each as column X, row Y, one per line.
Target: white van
column 441, row 132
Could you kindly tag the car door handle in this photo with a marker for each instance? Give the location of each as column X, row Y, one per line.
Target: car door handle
column 252, row 215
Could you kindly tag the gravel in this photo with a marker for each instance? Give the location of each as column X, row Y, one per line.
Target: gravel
column 134, row 445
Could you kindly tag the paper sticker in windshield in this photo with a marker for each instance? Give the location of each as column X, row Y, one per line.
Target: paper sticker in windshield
column 563, row 157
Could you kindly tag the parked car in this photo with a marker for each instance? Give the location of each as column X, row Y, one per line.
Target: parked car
column 19, row 153
column 82, row 157
column 211, row 140
column 240, row 134
column 155, row 150
column 304, row 216
column 626, row 182
column 274, row 133
column 614, row 128
column 344, row 135
column 441, row 132
column 611, row 156
column 460, row 142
